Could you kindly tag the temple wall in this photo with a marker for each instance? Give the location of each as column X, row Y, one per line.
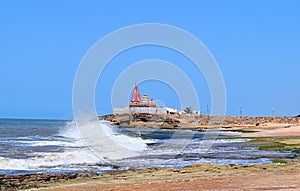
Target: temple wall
column 127, row 110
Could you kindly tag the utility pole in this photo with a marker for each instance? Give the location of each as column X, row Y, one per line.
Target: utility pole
column 207, row 110
column 273, row 112
column 241, row 111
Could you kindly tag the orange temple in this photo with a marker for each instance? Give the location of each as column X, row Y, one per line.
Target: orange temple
column 138, row 101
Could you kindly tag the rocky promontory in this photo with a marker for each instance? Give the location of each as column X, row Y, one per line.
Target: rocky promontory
column 200, row 121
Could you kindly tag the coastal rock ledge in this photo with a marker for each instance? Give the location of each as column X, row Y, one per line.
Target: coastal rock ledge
column 198, row 121
column 14, row 182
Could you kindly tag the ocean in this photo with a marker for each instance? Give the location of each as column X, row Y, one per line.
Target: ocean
column 56, row 146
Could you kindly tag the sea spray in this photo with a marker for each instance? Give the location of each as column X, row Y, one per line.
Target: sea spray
column 106, row 143
column 66, row 150
column 62, row 149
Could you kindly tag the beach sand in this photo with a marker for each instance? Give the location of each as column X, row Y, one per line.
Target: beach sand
column 279, row 132
column 197, row 177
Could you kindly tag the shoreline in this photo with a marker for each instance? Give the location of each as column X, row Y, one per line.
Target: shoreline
column 245, row 126
column 195, row 177
column 159, row 179
column 202, row 176
column 163, row 178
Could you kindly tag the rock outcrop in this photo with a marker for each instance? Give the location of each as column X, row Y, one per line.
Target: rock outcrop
column 198, row 121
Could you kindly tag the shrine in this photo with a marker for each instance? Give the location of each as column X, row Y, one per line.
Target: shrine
column 138, row 101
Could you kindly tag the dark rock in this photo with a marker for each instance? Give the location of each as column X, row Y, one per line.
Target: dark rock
column 11, row 182
column 83, row 175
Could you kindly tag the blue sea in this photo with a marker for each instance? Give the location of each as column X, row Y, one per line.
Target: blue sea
column 56, row 146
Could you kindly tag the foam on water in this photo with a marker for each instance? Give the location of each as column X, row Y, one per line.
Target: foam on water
column 108, row 144
column 48, row 160
column 70, row 131
column 76, row 148
column 47, row 143
column 91, row 143
column 133, row 143
column 96, row 146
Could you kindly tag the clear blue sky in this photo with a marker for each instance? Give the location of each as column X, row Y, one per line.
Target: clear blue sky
column 256, row 44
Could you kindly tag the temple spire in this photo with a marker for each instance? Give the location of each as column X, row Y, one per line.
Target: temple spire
column 138, row 101
column 136, row 94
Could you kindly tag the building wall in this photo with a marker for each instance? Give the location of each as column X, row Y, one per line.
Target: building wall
column 127, row 110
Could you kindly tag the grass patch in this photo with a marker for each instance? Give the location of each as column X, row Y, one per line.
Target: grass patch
column 277, row 143
column 244, row 131
column 280, row 161
column 274, row 147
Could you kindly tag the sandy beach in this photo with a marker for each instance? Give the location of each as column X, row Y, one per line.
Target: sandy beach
column 197, row 177
column 281, row 132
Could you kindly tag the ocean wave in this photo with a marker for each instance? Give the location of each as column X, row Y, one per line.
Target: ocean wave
column 48, row 160
column 107, row 143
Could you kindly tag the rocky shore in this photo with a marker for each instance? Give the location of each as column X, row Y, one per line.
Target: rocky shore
column 200, row 121
column 195, row 177
column 25, row 181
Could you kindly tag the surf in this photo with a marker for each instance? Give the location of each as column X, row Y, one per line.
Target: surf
column 108, row 144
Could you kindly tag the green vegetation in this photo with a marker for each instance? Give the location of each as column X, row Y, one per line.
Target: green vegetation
column 273, row 147
column 244, row 131
column 277, row 143
column 280, row 161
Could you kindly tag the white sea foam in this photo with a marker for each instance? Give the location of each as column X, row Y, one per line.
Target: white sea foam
column 86, row 146
column 48, row 143
column 79, row 148
column 108, row 144
column 69, row 136
column 134, row 143
column 241, row 140
column 73, row 153
column 70, row 131
column 49, row 160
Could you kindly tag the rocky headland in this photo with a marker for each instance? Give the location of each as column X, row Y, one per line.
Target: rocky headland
column 201, row 121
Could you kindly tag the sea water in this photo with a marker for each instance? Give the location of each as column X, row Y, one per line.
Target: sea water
column 56, row 146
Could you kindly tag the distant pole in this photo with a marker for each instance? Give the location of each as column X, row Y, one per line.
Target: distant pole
column 241, row 111
column 273, row 112
column 207, row 110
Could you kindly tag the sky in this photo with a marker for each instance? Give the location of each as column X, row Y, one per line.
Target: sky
column 255, row 43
